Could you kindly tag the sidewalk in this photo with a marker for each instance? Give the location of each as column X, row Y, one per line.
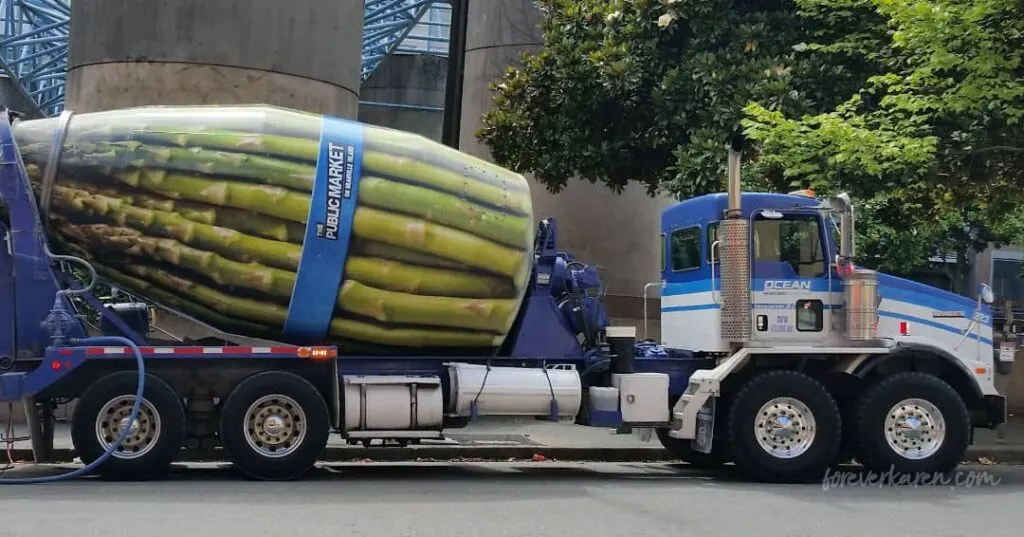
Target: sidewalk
column 502, row 439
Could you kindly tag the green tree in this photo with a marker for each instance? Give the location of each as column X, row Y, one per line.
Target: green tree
column 933, row 144
column 650, row 90
column 912, row 107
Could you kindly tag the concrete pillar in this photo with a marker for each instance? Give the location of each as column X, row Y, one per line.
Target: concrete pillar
column 302, row 54
column 619, row 232
column 408, row 81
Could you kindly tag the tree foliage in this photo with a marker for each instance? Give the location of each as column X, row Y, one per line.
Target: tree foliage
column 648, row 90
column 912, row 106
column 933, row 142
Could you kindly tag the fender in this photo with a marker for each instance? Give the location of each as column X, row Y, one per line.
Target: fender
column 980, row 383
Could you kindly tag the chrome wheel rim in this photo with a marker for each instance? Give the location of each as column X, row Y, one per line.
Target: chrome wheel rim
column 915, row 429
column 275, row 426
column 785, row 427
column 143, row 434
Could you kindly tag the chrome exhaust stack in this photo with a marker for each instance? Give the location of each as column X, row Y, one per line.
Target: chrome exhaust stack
column 734, row 234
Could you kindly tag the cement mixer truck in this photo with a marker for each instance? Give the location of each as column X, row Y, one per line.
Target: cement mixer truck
column 376, row 285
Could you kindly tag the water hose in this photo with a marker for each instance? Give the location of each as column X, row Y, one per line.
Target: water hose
column 59, row 316
column 97, row 341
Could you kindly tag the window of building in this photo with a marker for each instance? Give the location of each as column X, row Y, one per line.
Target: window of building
column 1006, row 279
column 685, row 249
column 795, row 240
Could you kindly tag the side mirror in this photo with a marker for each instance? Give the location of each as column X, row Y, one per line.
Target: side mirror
column 987, row 296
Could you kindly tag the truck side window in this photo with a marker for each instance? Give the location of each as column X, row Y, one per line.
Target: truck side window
column 794, row 240
column 685, row 249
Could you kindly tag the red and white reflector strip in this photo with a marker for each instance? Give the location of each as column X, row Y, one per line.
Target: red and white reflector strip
column 904, row 328
column 315, row 353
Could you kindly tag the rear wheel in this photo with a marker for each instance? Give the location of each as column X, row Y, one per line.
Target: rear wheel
column 274, row 426
column 154, row 439
column 784, row 426
column 911, row 422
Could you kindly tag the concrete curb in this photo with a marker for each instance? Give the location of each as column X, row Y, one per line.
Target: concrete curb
column 996, row 454
column 439, row 453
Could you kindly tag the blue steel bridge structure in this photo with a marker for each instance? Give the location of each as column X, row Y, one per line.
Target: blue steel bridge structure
column 34, row 42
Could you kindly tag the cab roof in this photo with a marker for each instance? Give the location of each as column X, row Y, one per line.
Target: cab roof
column 711, row 207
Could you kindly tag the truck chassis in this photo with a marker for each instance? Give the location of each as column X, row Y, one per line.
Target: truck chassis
column 268, row 410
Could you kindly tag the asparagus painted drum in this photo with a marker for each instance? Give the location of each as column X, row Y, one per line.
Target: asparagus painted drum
column 278, row 224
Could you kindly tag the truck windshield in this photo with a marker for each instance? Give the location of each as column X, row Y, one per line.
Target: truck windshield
column 793, row 241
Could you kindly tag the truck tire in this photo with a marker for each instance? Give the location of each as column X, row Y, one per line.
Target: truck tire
column 805, row 417
column 911, row 422
column 274, row 426
column 157, row 435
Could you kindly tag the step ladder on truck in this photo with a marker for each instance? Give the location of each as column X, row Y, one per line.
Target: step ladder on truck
column 777, row 355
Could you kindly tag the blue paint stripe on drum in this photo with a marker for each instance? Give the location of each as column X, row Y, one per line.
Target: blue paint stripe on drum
column 328, row 231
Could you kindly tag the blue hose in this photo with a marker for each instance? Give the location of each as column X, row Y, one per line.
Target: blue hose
column 109, row 340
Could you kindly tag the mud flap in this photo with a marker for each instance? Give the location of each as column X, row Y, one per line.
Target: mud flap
column 703, row 440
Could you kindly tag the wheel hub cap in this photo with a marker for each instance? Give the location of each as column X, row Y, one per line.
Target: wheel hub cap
column 143, row 432
column 915, row 428
column 275, row 426
column 782, row 427
column 133, row 429
column 785, row 427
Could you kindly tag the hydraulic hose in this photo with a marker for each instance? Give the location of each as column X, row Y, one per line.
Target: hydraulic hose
column 105, row 340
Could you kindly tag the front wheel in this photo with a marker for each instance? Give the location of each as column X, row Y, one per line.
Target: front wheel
column 911, row 422
column 784, row 426
column 274, row 426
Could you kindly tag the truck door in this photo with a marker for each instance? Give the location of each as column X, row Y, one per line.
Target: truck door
column 791, row 287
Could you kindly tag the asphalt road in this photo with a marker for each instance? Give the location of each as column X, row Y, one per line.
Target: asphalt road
column 523, row 499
